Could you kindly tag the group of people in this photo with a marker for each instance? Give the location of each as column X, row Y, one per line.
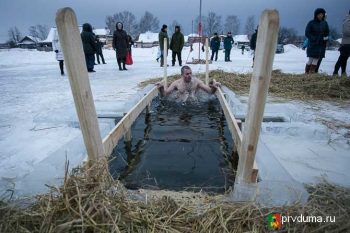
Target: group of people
column 316, row 32
column 317, row 36
column 121, row 44
column 176, row 45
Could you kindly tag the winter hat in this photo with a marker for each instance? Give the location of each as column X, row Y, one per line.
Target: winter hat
column 318, row 11
column 164, row 26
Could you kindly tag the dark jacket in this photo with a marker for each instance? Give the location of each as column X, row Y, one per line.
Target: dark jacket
column 177, row 41
column 253, row 40
column 120, row 42
column 88, row 39
column 215, row 43
column 163, row 34
column 317, row 33
column 228, row 41
column 99, row 46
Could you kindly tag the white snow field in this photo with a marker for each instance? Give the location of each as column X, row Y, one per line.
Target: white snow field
column 39, row 127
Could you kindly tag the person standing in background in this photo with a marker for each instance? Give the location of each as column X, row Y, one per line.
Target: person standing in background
column 228, row 41
column 176, row 45
column 344, row 48
column 56, row 46
column 317, row 32
column 163, row 34
column 89, row 46
column 214, row 46
column 120, row 45
column 99, row 53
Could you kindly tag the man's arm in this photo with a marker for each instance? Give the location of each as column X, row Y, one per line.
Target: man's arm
column 209, row 89
column 166, row 91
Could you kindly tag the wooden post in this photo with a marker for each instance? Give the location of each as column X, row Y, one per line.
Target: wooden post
column 165, row 64
column 127, row 135
column 74, row 58
column 206, row 61
column 265, row 52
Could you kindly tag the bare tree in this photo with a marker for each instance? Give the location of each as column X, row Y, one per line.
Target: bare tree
column 213, row 24
column 127, row 18
column 171, row 29
column 14, row 35
column 287, row 35
column 148, row 22
column 250, row 26
column 39, row 31
column 232, row 24
column 333, row 33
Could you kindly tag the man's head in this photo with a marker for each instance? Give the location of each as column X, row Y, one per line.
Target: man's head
column 229, row 34
column 216, row 34
column 177, row 28
column 164, row 27
column 186, row 73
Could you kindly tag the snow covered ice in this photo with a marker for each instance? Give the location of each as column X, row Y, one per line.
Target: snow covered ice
column 39, row 126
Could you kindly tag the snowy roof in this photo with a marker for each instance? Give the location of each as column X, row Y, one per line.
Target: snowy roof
column 148, row 37
column 51, row 34
column 101, row 31
column 193, row 35
column 29, row 40
column 339, row 40
column 241, row 38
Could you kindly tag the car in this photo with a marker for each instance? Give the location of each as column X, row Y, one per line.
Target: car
column 279, row 48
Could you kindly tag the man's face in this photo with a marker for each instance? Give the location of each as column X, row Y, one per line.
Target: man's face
column 119, row 26
column 187, row 75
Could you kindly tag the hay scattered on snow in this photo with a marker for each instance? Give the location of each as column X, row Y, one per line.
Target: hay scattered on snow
column 290, row 86
column 97, row 203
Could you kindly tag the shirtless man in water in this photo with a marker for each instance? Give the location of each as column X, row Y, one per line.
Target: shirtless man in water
column 187, row 86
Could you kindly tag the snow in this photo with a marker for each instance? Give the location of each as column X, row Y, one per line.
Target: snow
column 241, row 38
column 148, row 37
column 39, row 127
column 101, row 31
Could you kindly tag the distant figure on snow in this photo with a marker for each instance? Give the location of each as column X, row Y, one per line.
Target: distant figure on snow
column 317, row 32
column 243, row 48
column 89, row 46
column 176, row 45
column 120, row 45
column 228, row 42
column 214, row 46
column 161, row 36
column 253, row 42
column 99, row 53
column 56, row 46
column 344, row 48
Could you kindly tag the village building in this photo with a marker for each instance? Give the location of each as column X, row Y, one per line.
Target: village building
column 28, row 42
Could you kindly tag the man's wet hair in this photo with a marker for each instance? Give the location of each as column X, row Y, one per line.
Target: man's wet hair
column 184, row 68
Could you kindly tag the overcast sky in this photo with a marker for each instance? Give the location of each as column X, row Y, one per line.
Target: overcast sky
column 293, row 13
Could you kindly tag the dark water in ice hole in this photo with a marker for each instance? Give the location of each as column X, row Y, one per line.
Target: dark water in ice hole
column 177, row 147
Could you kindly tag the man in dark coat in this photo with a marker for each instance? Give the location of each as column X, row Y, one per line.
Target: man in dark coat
column 228, row 41
column 99, row 53
column 163, row 34
column 89, row 46
column 214, row 46
column 176, row 45
column 120, row 45
column 317, row 32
